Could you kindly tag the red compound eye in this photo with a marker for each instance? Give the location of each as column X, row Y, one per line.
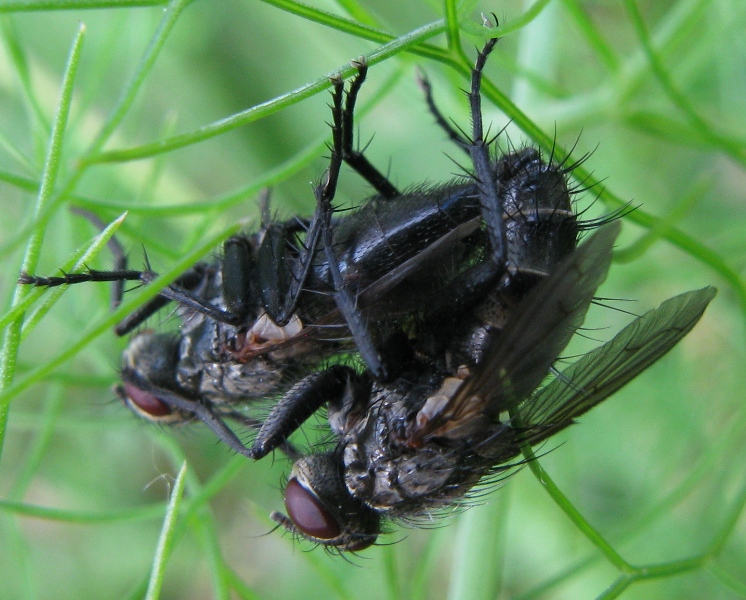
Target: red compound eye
column 309, row 516
column 146, row 402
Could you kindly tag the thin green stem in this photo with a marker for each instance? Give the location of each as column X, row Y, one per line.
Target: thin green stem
column 716, row 453
column 578, row 520
column 358, row 12
column 664, row 224
column 266, row 108
column 81, row 517
column 20, row 62
column 165, row 541
column 728, row 579
column 239, row 586
column 731, row 147
column 11, row 341
column 730, row 523
column 52, row 296
column 40, row 443
column 453, row 32
column 170, row 17
column 296, row 163
column 595, row 38
column 11, row 6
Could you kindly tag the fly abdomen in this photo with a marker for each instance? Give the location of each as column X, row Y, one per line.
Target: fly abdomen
column 541, row 226
column 541, row 231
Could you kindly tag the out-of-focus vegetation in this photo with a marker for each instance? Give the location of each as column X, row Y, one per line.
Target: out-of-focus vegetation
column 180, row 112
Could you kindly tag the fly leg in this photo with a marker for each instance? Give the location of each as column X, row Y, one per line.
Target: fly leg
column 118, row 275
column 343, row 295
column 182, row 291
column 302, row 401
column 489, row 186
column 491, row 190
column 283, row 268
column 354, row 158
column 281, row 283
column 139, row 393
column 455, row 136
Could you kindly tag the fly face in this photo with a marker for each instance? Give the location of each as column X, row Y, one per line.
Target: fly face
column 422, row 443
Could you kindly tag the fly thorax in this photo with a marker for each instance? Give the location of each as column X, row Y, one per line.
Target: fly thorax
column 202, row 366
column 380, row 469
column 257, row 378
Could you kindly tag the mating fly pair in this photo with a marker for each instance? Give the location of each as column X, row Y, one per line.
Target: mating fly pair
column 275, row 309
column 458, row 298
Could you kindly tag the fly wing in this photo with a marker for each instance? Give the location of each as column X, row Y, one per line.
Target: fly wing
column 426, row 258
column 374, row 299
column 536, row 332
column 601, row 372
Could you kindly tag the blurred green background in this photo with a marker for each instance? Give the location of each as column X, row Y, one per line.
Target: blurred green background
column 654, row 91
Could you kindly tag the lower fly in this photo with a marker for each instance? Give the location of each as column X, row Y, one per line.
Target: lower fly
column 409, row 449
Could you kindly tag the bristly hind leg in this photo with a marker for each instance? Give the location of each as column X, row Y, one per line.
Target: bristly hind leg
column 354, row 158
column 455, row 136
column 184, row 290
column 343, row 295
column 300, row 402
column 490, row 189
column 136, row 389
column 283, row 286
column 490, row 192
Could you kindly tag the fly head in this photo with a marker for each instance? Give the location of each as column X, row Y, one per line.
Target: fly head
column 322, row 510
column 150, row 357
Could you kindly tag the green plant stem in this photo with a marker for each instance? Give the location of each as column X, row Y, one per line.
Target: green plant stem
column 704, row 129
column 41, row 217
column 628, row 572
column 716, row 453
column 51, row 298
column 165, row 541
column 453, row 32
column 152, row 511
column 266, row 108
column 9, row 351
column 578, row 520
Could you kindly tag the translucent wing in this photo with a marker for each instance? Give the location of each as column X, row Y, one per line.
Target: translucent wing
column 601, row 372
column 536, row 332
